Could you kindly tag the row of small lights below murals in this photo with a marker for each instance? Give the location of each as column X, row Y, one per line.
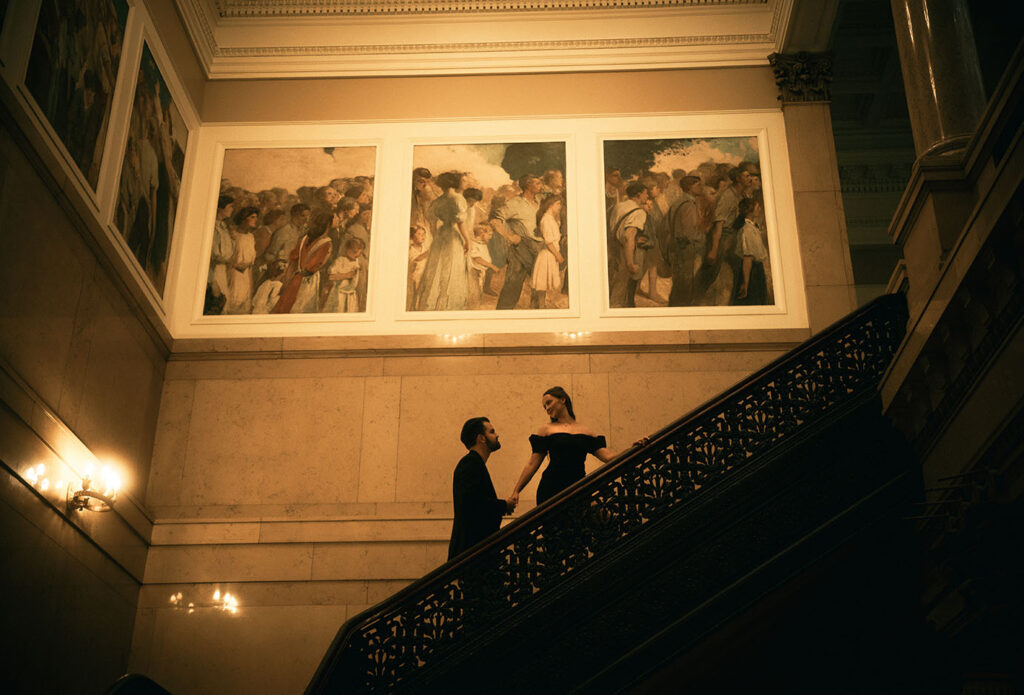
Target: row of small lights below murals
column 455, row 339
column 224, row 602
column 93, row 493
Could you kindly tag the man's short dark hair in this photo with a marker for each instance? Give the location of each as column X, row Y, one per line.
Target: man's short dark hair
column 634, row 189
column 471, row 430
column 298, row 209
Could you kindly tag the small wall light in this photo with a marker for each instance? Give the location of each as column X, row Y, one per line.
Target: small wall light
column 92, row 496
column 36, row 475
column 223, row 602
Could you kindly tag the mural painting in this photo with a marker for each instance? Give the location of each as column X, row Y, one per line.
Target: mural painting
column 487, row 228
column 150, row 184
column 293, row 231
column 72, row 70
column 685, row 223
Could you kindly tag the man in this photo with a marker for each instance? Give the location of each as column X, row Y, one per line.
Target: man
column 686, row 239
column 627, row 244
column 720, row 259
column 478, row 509
column 612, row 188
column 284, row 238
column 516, row 223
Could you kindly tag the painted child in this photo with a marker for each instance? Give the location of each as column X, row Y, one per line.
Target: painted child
column 344, row 273
column 269, row 290
column 419, row 249
column 480, row 259
column 752, row 288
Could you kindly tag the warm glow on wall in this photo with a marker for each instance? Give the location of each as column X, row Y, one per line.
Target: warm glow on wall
column 220, row 601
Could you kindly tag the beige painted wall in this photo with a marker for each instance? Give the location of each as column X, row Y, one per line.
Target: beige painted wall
column 67, row 334
column 80, row 380
column 494, row 96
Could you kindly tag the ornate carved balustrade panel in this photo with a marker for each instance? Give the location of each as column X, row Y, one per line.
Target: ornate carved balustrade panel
column 533, row 559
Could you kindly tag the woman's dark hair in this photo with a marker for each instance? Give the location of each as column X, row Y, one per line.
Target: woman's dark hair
column 545, row 205
column 559, row 393
column 320, row 224
column 243, row 213
column 449, row 180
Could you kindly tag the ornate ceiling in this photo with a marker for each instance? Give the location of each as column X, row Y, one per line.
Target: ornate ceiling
column 306, row 38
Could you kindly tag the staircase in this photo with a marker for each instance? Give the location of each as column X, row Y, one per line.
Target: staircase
column 618, row 576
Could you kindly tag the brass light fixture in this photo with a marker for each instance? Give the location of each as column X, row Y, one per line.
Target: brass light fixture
column 92, row 496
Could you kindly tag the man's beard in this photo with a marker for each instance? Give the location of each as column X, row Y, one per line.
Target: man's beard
column 493, row 446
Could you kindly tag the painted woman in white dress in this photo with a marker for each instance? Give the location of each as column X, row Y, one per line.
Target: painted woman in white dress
column 445, row 283
column 547, row 273
column 239, row 271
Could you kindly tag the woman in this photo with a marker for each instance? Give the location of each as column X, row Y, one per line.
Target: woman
column 547, row 274
column 566, row 442
column 445, row 283
column 301, row 288
column 239, row 271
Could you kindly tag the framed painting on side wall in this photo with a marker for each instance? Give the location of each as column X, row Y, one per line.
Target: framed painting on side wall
column 293, row 232
column 72, row 71
column 685, row 223
column 487, row 227
column 150, row 184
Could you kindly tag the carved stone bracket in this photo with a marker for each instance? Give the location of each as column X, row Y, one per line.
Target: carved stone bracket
column 802, row 77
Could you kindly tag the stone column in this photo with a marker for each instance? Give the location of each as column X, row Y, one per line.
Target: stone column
column 941, row 73
column 803, row 81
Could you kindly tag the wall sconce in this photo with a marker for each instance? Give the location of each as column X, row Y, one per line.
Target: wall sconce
column 95, row 498
column 222, row 602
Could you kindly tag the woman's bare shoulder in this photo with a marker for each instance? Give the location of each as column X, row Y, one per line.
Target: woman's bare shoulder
column 544, row 430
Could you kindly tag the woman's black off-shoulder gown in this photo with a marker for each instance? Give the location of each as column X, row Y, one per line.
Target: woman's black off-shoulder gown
column 568, row 454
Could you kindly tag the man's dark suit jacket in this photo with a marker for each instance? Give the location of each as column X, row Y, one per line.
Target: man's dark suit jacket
column 478, row 510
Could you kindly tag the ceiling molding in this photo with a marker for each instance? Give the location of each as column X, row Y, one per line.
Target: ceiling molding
column 238, row 39
column 349, row 8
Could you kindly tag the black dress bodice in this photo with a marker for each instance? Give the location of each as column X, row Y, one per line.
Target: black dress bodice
column 568, row 454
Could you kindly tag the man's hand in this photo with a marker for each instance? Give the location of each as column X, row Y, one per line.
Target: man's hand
column 510, row 504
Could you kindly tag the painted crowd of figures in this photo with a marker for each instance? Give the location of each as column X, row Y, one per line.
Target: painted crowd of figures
column 689, row 239
column 276, row 252
column 154, row 160
column 72, row 71
column 473, row 248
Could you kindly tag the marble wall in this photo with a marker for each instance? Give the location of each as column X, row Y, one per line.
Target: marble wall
column 312, row 487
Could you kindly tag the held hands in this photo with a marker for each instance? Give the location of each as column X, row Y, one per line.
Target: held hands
column 643, row 441
column 511, row 502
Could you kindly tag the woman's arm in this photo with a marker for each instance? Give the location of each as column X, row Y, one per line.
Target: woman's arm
column 529, row 470
column 606, row 455
column 553, row 248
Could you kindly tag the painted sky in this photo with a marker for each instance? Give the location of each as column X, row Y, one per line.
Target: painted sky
column 482, row 161
column 261, row 169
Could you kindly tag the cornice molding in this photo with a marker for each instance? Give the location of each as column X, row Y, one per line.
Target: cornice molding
column 237, row 39
column 349, row 8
